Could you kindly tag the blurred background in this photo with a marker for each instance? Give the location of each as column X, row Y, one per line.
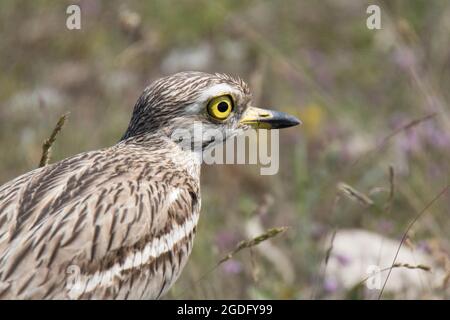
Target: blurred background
column 373, row 152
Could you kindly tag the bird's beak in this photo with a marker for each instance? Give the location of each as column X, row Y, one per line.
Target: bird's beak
column 267, row 119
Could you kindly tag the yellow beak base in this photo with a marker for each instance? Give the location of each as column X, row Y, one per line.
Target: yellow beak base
column 267, row 119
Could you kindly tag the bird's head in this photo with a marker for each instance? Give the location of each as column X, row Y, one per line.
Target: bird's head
column 216, row 102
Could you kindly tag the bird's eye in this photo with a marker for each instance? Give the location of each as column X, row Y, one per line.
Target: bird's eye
column 220, row 107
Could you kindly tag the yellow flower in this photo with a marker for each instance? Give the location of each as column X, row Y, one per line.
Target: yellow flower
column 312, row 117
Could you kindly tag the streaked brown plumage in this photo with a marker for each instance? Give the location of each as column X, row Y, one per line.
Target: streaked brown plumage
column 116, row 223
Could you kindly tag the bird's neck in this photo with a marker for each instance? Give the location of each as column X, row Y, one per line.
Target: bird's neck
column 161, row 148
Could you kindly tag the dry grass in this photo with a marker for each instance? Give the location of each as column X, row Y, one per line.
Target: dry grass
column 47, row 146
column 372, row 152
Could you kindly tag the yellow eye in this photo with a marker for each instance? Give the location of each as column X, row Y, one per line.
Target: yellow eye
column 220, row 107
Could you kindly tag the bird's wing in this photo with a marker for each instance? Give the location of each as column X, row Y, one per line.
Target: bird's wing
column 74, row 213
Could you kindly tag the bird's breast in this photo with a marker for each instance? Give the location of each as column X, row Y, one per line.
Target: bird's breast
column 146, row 272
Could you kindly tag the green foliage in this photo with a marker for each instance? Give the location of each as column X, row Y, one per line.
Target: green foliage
column 355, row 89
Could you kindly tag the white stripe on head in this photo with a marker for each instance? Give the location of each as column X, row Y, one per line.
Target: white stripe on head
column 213, row 91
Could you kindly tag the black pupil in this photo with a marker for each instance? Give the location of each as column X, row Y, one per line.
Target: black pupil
column 223, row 106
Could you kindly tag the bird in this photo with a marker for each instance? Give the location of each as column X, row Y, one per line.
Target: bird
column 119, row 222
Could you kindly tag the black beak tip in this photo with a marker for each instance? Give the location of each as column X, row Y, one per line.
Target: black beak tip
column 296, row 121
column 289, row 121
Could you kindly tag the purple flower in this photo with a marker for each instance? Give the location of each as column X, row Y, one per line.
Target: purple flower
column 404, row 58
column 437, row 137
column 225, row 240
column 330, row 285
column 410, row 142
column 232, row 267
column 423, row 246
column 342, row 259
